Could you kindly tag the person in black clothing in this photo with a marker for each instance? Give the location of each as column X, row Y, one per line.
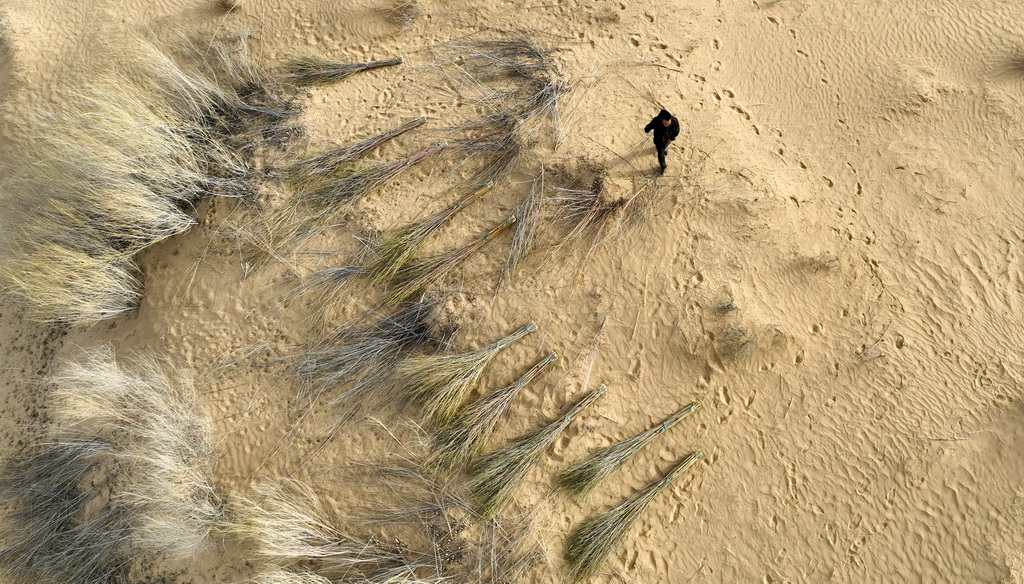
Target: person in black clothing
column 666, row 128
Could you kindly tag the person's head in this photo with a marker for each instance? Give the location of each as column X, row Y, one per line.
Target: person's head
column 665, row 117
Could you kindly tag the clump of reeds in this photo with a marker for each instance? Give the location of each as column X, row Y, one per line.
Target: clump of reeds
column 439, row 383
column 590, row 543
column 524, row 234
column 360, row 355
column 496, row 474
column 336, row 194
column 48, row 534
column 148, row 412
column 230, row 5
column 582, row 478
column 394, row 248
column 315, row 70
column 464, row 436
column 306, row 173
column 412, row 277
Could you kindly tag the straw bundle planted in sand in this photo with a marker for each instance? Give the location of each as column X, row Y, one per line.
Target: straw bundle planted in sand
column 439, row 383
column 496, row 474
column 582, row 478
column 464, row 436
column 396, row 247
column 415, row 276
column 306, row 173
column 310, row 70
column 590, row 543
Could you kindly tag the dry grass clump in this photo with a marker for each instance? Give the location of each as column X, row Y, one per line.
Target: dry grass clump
column 48, row 535
column 515, row 79
column 404, row 13
column 148, row 412
column 337, row 193
column 412, row 277
column 582, row 478
column 439, row 383
column 361, row 355
column 590, row 543
column 290, row 529
column 496, row 474
column 310, row 70
column 497, row 141
column 111, row 170
column 467, row 433
column 307, row 173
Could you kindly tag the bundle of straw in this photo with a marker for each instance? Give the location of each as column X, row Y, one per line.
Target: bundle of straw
column 441, row 382
column 466, row 434
column 497, row 473
column 314, row 70
column 412, row 277
column 338, row 194
column 306, row 173
column 395, row 248
column 590, row 543
column 582, row 478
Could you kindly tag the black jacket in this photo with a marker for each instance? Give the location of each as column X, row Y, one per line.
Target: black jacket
column 662, row 133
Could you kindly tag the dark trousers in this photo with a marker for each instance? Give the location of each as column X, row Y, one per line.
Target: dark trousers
column 662, row 153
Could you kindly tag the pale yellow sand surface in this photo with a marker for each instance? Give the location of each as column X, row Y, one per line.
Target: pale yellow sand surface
column 833, row 268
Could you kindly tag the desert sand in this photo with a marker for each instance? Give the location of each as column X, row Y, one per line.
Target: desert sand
column 832, row 267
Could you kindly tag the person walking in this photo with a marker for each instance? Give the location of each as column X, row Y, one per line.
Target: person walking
column 666, row 128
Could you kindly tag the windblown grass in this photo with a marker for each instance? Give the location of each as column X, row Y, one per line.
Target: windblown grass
column 496, row 474
column 582, row 478
column 148, row 412
column 464, row 436
column 404, row 12
column 310, row 70
column 515, row 79
column 47, row 535
column 306, row 173
column 590, row 543
column 396, row 247
column 441, row 382
column 412, row 277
